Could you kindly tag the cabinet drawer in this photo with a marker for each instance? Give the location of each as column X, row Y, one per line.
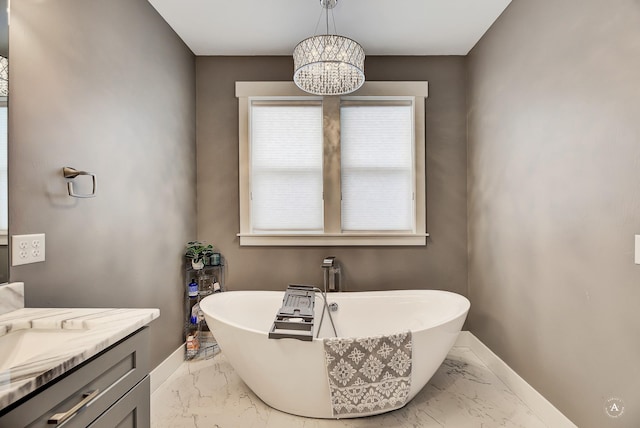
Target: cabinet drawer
column 132, row 410
column 112, row 374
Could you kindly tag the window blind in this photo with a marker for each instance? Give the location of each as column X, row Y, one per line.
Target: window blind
column 376, row 163
column 286, row 167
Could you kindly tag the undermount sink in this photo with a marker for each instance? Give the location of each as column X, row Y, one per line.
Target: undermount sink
column 22, row 346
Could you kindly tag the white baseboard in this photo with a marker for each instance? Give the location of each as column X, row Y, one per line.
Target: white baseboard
column 166, row 368
column 533, row 399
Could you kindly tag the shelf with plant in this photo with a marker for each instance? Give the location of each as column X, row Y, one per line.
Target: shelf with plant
column 198, row 253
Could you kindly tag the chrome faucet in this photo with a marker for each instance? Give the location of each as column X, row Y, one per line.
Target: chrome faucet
column 331, row 273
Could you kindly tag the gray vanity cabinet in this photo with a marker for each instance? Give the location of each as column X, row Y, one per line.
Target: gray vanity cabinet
column 109, row 390
column 131, row 411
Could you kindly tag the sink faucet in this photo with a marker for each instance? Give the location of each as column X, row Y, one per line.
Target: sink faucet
column 331, row 273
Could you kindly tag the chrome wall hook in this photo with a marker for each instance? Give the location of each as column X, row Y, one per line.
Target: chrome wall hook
column 72, row 173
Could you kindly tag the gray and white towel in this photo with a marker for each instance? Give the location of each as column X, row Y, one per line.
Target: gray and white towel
column 368, row 375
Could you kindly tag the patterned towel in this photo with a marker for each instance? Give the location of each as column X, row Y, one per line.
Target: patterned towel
column 368, row 375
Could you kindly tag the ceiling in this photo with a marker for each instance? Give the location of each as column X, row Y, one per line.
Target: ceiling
column 274, row 27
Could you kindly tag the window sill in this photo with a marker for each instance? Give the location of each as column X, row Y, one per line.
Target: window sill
column 342, row 239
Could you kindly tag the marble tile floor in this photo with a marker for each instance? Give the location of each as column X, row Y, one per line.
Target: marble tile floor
column 463, row 393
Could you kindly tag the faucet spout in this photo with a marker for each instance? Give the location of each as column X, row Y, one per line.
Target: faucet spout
column 331, row 273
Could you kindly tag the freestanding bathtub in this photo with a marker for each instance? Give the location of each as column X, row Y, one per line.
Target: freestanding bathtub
column 290, row 374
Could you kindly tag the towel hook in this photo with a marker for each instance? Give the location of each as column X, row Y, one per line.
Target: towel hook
column 72, row 173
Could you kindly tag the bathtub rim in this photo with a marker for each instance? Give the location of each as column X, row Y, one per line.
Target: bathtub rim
column 382, row 293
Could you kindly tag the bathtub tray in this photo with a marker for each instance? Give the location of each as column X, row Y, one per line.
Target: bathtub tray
column 294, row 319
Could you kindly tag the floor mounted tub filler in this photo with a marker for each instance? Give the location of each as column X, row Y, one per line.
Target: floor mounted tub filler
column 303, row 378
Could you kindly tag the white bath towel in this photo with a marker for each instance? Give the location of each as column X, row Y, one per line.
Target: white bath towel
column 368, row 375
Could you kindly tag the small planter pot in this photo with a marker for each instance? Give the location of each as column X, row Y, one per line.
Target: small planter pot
column 197, row 265
column 212, row 260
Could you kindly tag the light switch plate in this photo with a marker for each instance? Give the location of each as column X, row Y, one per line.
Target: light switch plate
column 638, row 249
column 27, row 249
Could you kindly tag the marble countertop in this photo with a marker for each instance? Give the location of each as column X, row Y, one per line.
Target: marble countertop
column 99, row 328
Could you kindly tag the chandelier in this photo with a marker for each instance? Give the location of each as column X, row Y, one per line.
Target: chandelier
column 328, row 64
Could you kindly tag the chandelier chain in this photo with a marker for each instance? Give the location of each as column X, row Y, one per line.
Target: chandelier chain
column 333, row 18
column 326, row 14
column 315, row 32
column 325, row 10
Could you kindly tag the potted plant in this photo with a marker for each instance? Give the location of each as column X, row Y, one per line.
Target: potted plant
column 198, row 252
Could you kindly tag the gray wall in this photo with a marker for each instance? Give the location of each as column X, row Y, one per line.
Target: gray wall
column 108, row 87
column 554, row 169
column 439, row 265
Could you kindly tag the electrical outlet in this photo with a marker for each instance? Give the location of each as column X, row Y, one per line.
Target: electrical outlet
column 27, row 249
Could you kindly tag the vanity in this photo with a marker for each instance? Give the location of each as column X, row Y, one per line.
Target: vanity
column 75, row 367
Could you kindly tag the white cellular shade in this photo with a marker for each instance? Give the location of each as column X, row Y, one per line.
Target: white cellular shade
column 286, row 168
column 377, row 167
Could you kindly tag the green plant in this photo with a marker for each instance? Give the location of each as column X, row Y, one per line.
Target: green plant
column 198, row 251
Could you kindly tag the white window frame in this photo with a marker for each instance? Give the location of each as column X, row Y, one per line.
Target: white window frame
column 333, row 235
column 4, row 203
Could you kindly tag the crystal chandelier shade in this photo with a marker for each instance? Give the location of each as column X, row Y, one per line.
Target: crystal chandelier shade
column 328, row 64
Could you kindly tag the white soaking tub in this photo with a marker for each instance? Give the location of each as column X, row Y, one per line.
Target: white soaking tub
column 290, row 374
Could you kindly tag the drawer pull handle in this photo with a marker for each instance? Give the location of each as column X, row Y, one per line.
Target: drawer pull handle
column 58, row 418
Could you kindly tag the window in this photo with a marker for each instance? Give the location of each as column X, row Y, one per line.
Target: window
column 336, row 171
column 376, row 153
column 286, row 167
